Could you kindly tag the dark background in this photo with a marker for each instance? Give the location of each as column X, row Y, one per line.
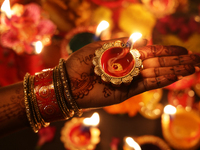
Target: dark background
column 110, row 126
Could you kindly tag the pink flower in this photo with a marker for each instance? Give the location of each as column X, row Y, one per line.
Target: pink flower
column 46, row 135
column 23, row 30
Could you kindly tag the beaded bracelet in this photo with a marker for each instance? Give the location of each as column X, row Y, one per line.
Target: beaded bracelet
column 59, row 94
column 27, row 103
column 67, row 93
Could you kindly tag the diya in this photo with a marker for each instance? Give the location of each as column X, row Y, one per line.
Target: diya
column 117, row 63
column 79, row 134
column 146, row 142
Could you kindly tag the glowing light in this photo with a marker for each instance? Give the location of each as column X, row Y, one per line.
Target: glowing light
column 5, row 7
column 169, row 109
column 135, row 36
column 38, row 46
column 132, row 143
column 93, row 120
column 103, row 25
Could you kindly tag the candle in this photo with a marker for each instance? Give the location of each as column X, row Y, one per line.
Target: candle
column 133, row 38
column 131, row 144
column 102, row 27
column 38, row 47
column 181, row 128
column 5, row 8
column 145, row 142
column 117, row 62
column 81, row 133
column 83, row 36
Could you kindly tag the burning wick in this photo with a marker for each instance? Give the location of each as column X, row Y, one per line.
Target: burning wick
column 131, row 143
column 38, row 47
column 92, row 121
column 116, row 68
column 133, row 38
column 103, row 25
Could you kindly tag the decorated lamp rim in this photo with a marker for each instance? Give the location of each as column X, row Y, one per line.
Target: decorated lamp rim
column 113, row 79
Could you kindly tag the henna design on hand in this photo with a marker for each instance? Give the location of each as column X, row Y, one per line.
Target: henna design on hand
column 107, row 91
column 87, row 59
column 158, row 82
column 195, row 58
column 81, row 87
column 157, row 72
column 161, row 61
column 13, row 109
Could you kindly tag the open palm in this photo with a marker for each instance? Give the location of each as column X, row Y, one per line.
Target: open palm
column 162, row 65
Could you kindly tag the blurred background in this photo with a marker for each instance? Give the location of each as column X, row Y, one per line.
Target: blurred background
column 35, row 34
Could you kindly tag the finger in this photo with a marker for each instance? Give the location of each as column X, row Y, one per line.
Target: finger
column 147, row 84
column 182, row 70
column 159, row 50
column 171, row 61
column 158, row 82
column 140, row 43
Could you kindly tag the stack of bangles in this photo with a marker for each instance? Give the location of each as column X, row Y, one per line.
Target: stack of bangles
column 48, row 97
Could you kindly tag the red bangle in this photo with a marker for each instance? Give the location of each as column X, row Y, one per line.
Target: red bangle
column 45, row 96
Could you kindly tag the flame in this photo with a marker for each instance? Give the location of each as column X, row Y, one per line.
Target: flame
column 5, row 7
column 169, row 109
column 38, row 46
column 103, row 25
column 93, row 120
column 135, row 36
column 132, row 143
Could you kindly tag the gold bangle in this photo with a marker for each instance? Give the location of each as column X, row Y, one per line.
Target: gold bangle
column 27, row 103
column 67, row 92
column 62, row 98
column 56, row 88
column 31, row 97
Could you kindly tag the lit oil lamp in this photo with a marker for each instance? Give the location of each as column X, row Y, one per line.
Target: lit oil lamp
column 145, row 142
column 181, row 128
column 131, row 144
column 118, row 62
column 81, row 133
column 83, row 35
column 38, row 47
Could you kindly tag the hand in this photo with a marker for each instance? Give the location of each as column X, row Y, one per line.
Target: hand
column 162, row 65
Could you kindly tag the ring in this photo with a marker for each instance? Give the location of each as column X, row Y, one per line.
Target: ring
column 117, row 63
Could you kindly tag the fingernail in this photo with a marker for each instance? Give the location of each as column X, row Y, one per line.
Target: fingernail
column 180, row 77
column 198, row 65
column 190, row 52
column 197, row 69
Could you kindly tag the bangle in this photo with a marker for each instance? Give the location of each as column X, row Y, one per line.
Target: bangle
column 46, row 97
column 67, row 92
column 59, row 95
column 31, row 100
column 35, row 104
column 27, row 103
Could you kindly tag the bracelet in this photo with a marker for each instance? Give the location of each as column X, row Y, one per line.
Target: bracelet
column 67, row 92
column 35, row 104
column 48, row 98
column 59, row 95
column 31, row 100
column 27, row 104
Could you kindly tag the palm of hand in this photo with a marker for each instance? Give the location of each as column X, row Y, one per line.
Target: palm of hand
column 161, row 66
